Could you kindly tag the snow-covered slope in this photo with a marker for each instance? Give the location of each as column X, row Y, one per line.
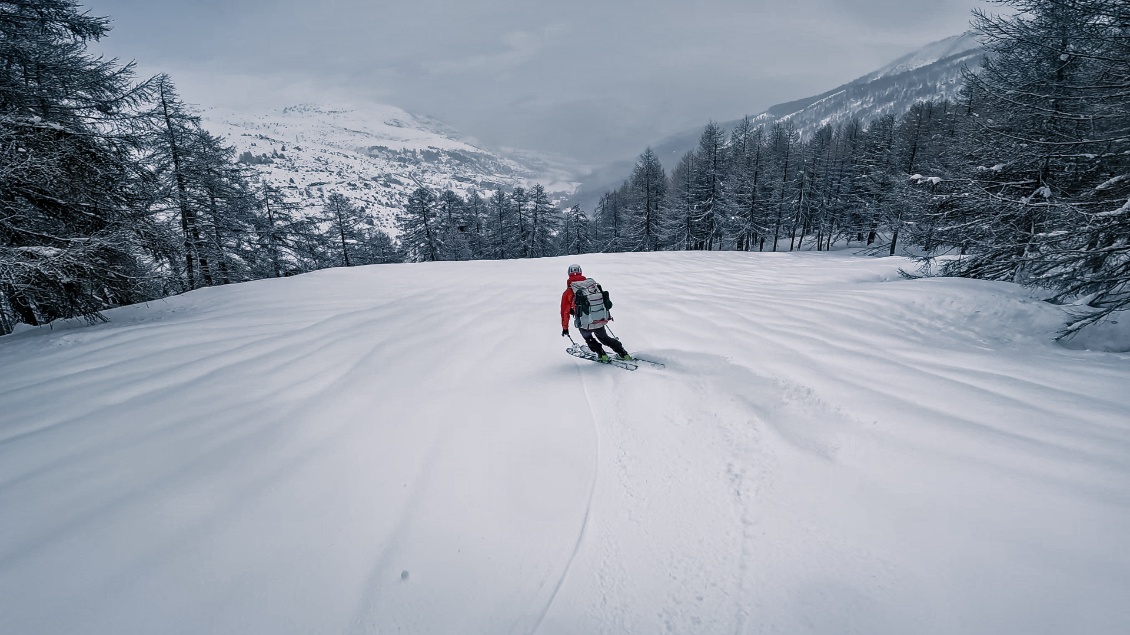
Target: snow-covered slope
column 374, row 155
column 933, row 72
column 407, row 448
column 965, row 47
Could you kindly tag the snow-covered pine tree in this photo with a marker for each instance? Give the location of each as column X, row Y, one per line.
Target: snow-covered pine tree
column 228, row 208
column 519, row 201
column 783, row 143
column 747, row 182
column 381, row 249
column 844, row 217
column 647, row 193
column 709, row 191
column 878, row 176
column 830, row 153
column 172, row 140
column 576, row 236
column 1049, row 133
column 346, row 227
column 451, row 215
column 612, row 221
column 473, row 225
column 277, row 235
column 419, row 225
column 503, row 232
column 545, row 222
column 680, row 227
column 70, row 188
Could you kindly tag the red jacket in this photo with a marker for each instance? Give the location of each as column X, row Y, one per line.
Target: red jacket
column 567, row 300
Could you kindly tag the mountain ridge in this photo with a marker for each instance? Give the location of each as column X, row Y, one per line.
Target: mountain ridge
column 376, row 155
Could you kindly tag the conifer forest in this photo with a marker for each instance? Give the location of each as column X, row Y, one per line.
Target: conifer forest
column 111, row 191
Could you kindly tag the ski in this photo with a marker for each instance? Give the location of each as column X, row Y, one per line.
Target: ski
column 653, row 364
column 585, row 353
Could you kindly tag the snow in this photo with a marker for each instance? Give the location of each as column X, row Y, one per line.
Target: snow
column 375, row 154
column 1106, row 185
column 407, row 448
column 967, row 43
column 39, row 250
column 920, row 179
column 1115, row 212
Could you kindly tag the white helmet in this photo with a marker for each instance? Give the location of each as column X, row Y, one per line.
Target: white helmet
column 574, row 269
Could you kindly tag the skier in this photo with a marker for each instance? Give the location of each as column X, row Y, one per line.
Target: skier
column 591, row 316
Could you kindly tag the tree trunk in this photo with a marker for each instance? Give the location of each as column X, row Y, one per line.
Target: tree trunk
column 271, row 233
column 341, row 231
column 192, row 242
column 225, row 277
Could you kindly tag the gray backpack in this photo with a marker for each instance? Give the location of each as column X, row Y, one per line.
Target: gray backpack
column 590, row 304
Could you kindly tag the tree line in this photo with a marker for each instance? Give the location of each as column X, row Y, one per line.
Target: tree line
column 112, row 193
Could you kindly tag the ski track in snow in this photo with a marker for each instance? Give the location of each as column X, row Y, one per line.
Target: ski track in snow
column 588, row 509
column 406, row 448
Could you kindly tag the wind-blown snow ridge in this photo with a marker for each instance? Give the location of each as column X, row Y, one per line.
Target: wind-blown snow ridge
column 407, row 448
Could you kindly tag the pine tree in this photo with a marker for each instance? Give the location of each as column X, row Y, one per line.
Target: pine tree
column 878, row 175
column 1049, row 143
column 381, row 249
column 783, row 142
column 680, row 225
column 710, row 198
column 473, row 224
column 612, row 221
column 347, row 227
column 419, row 226
column 545, row 222
column 519, row 200
column 173, row 138
column 229, row 207
column 851, row 216
column 576, row 237
column 70, row 188
column 451, row 215
column 501, row 235
column 647, row 193
column 747, row 175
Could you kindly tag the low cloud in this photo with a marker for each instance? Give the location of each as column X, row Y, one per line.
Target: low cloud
column 594, row 79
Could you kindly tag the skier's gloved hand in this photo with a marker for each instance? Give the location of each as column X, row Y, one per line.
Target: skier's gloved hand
column 564, row 332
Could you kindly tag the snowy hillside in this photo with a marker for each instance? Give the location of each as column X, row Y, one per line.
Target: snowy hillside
column 964, row 47
column 407, row 448
column 930, row 73
column 934, row 72
column 374, row 155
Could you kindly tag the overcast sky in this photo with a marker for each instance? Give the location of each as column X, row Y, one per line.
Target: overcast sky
column 594, row 80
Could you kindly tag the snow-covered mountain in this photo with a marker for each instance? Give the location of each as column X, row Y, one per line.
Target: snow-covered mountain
column 932, row 72
column 375, row 155
column 830, row 449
